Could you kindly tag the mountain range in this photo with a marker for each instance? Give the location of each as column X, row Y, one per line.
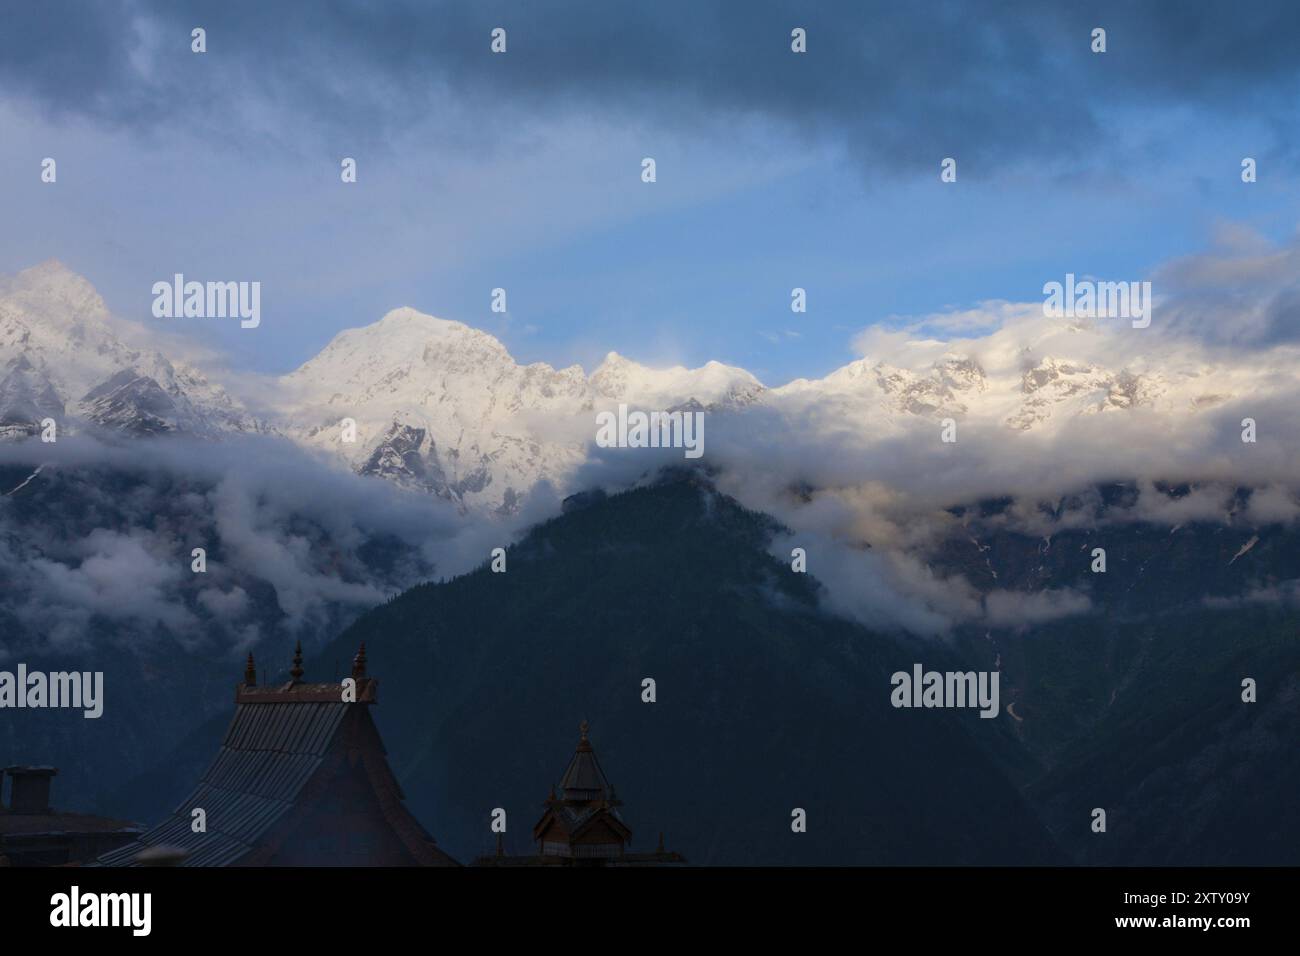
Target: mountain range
column 64, row 356
column 764, row 703
column 441, row 407
column 1121, row 689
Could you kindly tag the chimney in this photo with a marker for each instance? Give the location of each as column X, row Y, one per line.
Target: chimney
column 30, row 792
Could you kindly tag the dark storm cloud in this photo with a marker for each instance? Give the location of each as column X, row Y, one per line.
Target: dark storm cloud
column 896, row 84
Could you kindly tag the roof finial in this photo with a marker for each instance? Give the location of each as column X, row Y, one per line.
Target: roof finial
column 582, row 729
column 296, row 673
column 250, row 672
column 359, row 662
column 584, row 745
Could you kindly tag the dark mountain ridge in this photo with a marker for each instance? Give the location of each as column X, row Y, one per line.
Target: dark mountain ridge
column 764, row 703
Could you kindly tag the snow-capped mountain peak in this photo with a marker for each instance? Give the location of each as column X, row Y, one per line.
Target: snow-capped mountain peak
column 434, row 404
column 62, row 351
column 620, row 379
column 444, row 407
column 439, row 405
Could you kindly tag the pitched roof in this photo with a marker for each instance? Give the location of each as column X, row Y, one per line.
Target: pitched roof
column 286, row 746
column 585, row 797
column 584, row 779
column 582, row 825
column 577, row 820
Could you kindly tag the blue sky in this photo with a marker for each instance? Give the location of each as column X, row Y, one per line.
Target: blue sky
column 523, row 170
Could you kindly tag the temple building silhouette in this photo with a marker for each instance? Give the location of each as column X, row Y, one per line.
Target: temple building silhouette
column 301, row 779
column 582, row 824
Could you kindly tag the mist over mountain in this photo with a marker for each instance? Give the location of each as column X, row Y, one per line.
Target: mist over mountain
column 63, row 354
column 871, row 428
column 408, row 449
column 1134, row 700
column 97, row 573
column 864, row 464
column 763, row 702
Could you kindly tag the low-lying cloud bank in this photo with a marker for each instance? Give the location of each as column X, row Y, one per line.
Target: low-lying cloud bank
column 1039, row 410
column 101, row 542
column 868, row 467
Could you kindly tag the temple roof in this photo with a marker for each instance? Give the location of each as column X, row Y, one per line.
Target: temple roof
column 285, row 744
column 583, row 779
column 582, row 825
